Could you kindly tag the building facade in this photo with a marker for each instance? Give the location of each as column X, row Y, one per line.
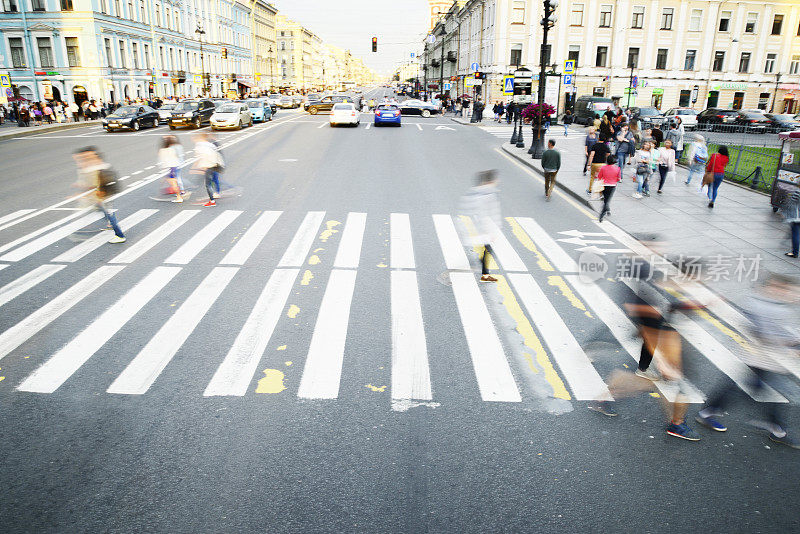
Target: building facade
column 264, row 44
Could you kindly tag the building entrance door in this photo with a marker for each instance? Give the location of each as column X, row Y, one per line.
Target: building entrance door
column 738, row 100
column 713, row 99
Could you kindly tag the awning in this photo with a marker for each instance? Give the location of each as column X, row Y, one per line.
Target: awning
column 245, row 83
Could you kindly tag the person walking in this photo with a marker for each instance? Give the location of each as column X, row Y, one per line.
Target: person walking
column 588, row 143
column 567, row 119
column 551, row 163
column 208, row 162
column 48, row 113
column 37, row 114
column 482, row 203
column 597, row 158
column 645, row 167
column 168, row 158
column 657, row 135
column 666, row 163
column 697, row 157
column 606, row 129
column 74, row 111
column 791, row 212
column 716, row 165
column 97, row 176
column 610, row 175
column 510, row 110
column 625, row 145
column 633, row 127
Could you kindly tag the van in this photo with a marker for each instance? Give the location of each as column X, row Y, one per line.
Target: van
column 588, row 108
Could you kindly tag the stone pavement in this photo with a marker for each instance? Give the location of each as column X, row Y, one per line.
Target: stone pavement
column 9, row 130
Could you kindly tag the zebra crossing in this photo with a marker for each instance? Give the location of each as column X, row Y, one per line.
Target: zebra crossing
column 325, row 364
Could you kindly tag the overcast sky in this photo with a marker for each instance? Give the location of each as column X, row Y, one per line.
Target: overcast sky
column 399, row 25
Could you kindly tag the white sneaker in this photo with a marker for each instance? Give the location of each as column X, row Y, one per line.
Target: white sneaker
column 637, row 195
column 178, row 200
column 648, row 374
column 216, row 195
column 116, row 239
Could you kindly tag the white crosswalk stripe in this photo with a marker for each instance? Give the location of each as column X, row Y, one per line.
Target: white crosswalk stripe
column 201, row 239
column 401, row 250
column 350, row 246
column 93, row 243
column 247, row 244
column 142, row 246
column 505, row 132
column 27, row 281
column 410, row 370
column 48, row 239
column 297, row 250
column 452, row 248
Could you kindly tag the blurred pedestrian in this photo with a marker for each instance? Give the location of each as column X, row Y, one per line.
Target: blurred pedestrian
column 482, row 203
column 567, row 119
column 169, row 158
column 791, row 212
column 551, row 163
column 97, row 176
column 666, row 163
column 716, row 166
column 606, row 130
column 598, row 154
column 645, row 167
column 588, row 142
column 609, row 175
column 208, row 162
column 625, row 145
column 697, row 157
column 771, row 315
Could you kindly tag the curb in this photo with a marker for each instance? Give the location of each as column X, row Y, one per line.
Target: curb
column 33, row 130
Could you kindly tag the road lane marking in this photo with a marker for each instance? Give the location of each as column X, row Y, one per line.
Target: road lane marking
column 64, row 363
column 93, row 243
column 368, row 125
column 528, row 243
column 14, row 215
column 202, row 238
column 38, row 232
column 551, row 249
column 401, row 250
column 153, row 238
column 298, row 248
column 410, row 369
column 27, row 281
column 321, row 125
column 419, row 126
column 143, row 370
column 236, row 371
column 505, row 253
column 247, row 244
column 349, row 253
column 495, row 380
column 580, row 374
column 453, row 251
column 323, row 369
column 51, row 237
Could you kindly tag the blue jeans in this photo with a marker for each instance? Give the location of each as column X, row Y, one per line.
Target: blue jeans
column 112, row 220
column 566, row 129
column 795, row 237
column 621, row 157
column 712, row 189
column 695, row 169
column 641, row 180
column 211, row 178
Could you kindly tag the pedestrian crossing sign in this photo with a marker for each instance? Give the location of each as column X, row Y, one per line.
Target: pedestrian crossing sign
column 5, row 80
column 569, row 66
column 508, row 85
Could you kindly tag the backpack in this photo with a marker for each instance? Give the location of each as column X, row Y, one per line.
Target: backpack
column 700, row 155
column 107, row 183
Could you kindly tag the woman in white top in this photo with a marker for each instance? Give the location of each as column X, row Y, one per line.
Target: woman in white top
column 666, row 162
column 170, row 158
column 645, row 164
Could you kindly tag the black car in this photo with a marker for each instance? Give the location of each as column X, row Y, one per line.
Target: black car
column 785, row 122
column 418, row 107
column 647, row 116
column 326, row 103
column 131, row 117
column 714, row 119
column 193, row 113
column 752, row 121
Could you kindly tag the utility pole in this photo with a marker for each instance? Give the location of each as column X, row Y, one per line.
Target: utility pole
column 775, row 94
column 630, row 85
column 441, row 63
column 537, row 147
column 199, row 31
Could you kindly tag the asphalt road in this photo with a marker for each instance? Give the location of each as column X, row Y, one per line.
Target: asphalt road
column 315, row 433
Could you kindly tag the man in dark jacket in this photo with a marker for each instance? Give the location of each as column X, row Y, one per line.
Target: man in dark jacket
column 551, row 163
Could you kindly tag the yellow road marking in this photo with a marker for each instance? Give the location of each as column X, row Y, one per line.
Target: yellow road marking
column 293, row 311
column 561, row 284
column 329, row 231
column 272, row 382
column 307, row 276
column 470, row 226
column 527, row 242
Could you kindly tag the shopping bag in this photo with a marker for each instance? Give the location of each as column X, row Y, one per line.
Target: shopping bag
column 708, row 178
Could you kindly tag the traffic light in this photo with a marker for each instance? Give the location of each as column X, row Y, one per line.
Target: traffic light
column 374, row 44
column 478, row 75
column 224, row 53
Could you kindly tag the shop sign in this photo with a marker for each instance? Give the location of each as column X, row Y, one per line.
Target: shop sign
column 47, row 87
column 731, row 86
column 598, row 91
column 788, row 86
column 658, row 91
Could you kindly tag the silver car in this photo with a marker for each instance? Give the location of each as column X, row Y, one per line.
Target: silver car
column 165, row 111
column 232, row 116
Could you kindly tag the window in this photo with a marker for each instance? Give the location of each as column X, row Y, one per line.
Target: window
column 750, row 25
column 777, row 23
column 117, row 8
column 45, row 52
column 161, row 58
column 103, row 7
column 66, row 5
column 661, row 58
column 109, row 56
column 638, row 17
column 763, row 101
column 73, row 57
column 719, row 61
column 135, row 53
column 574, row 53
column 147, row 57
column 605, row 16
column 122, row 62
column 696, row 20
column 167, row 18
column 518, row 13
column 142, row 12
column 666, row 18
column 577, row 15
column 17, row 52
column 769, row 65
column 725, row 21
column 158, row 14
column 794, row 66
column 37, row 5
column 688, row 62
column 744, row 62
column 516, row 54
column 10, row 6
column 633, row 58
column 131, row 14
column 177, row 21
column 602, row 55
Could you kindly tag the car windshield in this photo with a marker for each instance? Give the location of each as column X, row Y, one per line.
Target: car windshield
column 344, row 106
column 255, row 104
column 167, row 106
column 687, row 112
column 387, row 107
column 127, row 111
column 602, row 106
column 753, row 115
column 187, row 106
column 314, row 97
column 229, row 108
column 648, row 112
column 785, row 117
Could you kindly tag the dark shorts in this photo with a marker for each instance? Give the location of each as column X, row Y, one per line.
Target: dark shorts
column 657, row 323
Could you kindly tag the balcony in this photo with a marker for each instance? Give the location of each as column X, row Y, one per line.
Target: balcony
column 451, row 56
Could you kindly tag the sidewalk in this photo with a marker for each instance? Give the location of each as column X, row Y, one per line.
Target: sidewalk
column 9, row 130
column 742, row 223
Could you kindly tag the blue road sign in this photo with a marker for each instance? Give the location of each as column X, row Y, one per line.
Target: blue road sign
column 635, row 81
column 5, row 81
column 475, row 67
column 569, row 66
column 568, row 79
column 412, row 55
column 508, row 85
column 9, row 92
column 447, row 86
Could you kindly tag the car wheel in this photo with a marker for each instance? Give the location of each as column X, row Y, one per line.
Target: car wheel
column 171, row 126
column 426, row 113
column 197, row 122
column 240, row 125
column 313, row 111
column 135, row 126
column 251, row 123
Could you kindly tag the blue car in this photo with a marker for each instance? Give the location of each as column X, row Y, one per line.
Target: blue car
column 259, row 110
column 387, row 114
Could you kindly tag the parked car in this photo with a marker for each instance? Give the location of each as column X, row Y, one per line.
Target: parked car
column 274, row 99
column 260, row 109
column 387, row 114
column 297, row 101
column 752, row 121
column 345, row 113
column 233, row 116
column 131, row 117
column 783, row 122
column 647, row 116
column 688, row 117
column 714, row 119
column 165, row 111
column 192, row 113
column 588, row 108
column 418, row 107
column 326, row 103
column 286, row 102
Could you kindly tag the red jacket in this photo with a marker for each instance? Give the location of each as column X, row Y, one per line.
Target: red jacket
column 717, row 163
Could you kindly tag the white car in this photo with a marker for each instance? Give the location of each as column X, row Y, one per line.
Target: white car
column 688, row 117
column 345, row 113
column 165, row 111
column 231, row 116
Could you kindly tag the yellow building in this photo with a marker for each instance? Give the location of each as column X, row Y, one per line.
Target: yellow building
column 289, row 37
column 263, row 20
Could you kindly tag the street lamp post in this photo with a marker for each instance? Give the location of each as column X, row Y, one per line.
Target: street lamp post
column 630, row 86
column 271, row 81
column 775, row 94
column 199, row 31
column 549, row 20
